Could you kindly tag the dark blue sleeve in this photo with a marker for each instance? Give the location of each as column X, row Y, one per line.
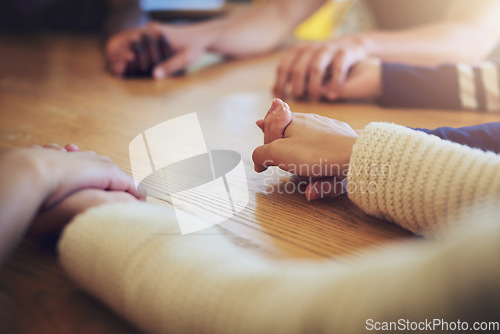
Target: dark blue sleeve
column 419, row 87
column 448, row 86
column 485, row 136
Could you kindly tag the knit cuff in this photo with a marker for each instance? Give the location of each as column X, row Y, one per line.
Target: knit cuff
column 417, row 180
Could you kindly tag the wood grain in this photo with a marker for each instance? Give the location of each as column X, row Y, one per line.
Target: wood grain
column 56, row 89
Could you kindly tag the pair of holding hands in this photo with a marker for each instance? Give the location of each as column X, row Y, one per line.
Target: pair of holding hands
column 156, row 50
column 332, row 70
column 312, row 146
column 69, row 182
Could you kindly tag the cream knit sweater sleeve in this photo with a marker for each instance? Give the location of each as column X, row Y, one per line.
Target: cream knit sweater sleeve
column 133, row 258
column 417, row 180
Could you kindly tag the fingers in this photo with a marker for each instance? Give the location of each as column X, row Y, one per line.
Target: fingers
column 175, row 64
column 285, row 69
column 313, row 71
column 72, row 148
column 300, row 74
column 146, row 53
column 325, row 188
column 304, row 68
column 341, row 65
column 261, row 157
column 148, row 50
column 117, row 180
column 68, row 148
column 318, row 72
column 277, row 121
column 261, row 124
column 152, row 46
column 164, row 47
column 119, row 53
column 141, row 54
column 55, row 147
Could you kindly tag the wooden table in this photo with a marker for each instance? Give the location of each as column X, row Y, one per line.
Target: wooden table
column 56, row 89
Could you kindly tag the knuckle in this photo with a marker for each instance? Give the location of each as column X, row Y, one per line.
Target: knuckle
column 325, row 48
column 315, row 69
column 282, row 68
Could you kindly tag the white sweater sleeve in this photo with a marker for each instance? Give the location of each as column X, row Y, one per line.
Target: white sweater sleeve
column 133, row 258
column 417, row 180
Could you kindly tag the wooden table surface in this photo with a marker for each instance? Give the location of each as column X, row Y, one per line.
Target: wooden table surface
column 56, row 89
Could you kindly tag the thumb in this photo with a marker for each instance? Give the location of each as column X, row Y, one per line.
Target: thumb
column 277, row 122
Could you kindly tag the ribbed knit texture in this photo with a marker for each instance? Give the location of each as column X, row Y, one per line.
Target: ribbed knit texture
column 132, row 257
column 418, row 181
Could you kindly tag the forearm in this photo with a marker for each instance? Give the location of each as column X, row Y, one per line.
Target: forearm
column 445, row 87
column 424, row 182
column 466, row 34
column 22, row 193
column 133, row 258
column 484, row 136
column 260, row 29
column 428, row 45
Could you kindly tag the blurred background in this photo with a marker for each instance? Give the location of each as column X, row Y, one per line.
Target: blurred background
column 91, row 16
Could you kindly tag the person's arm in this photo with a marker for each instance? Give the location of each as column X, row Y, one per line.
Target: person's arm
column 423, row 182
column 469, row 33
column 134, row 259
column 419, row 185
column 262, row 28
column 39, row 180
column 257, row 30
column 447, row 86
column 483, row 136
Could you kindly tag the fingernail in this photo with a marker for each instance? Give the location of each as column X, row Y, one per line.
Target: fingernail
column 274, row 104
column 279, row 112
column 71, row 148
column 308, row 195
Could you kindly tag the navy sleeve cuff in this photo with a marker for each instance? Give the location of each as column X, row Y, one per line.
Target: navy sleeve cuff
column 485, row 136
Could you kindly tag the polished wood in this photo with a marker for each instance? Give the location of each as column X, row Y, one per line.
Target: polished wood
column 56, row 89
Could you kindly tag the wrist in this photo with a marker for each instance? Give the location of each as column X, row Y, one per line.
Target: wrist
column 213, row 33
column 343, row 155
column 358, row 41
column 27, row 174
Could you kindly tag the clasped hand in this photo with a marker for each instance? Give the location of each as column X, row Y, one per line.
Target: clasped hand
column 311, row 146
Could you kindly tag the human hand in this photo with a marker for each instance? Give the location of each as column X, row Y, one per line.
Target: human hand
column 136, row 52
column 52, row 218
column 312, row 146
column 277, row 119
column 318, row 70
column 63, row 171
column 157, row 49
column 364, row 80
